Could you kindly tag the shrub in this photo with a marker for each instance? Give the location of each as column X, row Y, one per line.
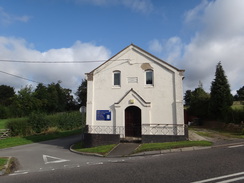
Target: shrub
column 70, row 121
column 38, row 122
column 18, row 127
column 234, row 116
column 3, row 112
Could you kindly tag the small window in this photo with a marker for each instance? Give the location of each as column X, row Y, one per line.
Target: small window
column 149, row 77
column 116, row 78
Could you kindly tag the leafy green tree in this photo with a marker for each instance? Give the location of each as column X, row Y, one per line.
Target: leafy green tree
column 25, row 102
column 59, row 99
column 199, row 103
column 220, row 95
column 53, row 98
column 6, row 95
column 71, row 104
column 82, row 92
column 240, row 94
column 187, row 97
column 41, row 94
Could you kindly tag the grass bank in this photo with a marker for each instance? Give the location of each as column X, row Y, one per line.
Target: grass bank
column 102, row 150
column 170, row 145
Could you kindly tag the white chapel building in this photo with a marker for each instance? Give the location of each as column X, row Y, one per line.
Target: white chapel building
column 134, row 96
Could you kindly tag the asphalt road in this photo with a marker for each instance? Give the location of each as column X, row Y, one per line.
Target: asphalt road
column 60, row 165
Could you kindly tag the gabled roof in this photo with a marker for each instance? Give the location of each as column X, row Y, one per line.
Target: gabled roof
column 137, row 96
column 137, row 47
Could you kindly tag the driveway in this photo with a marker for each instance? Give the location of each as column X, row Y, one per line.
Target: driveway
column 49, row 155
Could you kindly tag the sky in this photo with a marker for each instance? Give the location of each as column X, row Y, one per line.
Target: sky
column 61, row 40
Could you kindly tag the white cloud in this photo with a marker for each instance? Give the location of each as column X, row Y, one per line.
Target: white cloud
column 170, row 50
column 143, row 6
column 69, row 73
column 7, row 18
column 218, row 36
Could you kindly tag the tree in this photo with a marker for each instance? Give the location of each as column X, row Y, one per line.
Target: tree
column 71, row 104
column 240, row 94
column 187, row 97
column 41, row 93
column 56, row 98
column 6, row 95
column 220, row 95
column 82, row 92
column 25, row 103
column 199, row 103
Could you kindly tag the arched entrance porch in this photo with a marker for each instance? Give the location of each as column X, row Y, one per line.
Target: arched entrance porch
column 133, row 122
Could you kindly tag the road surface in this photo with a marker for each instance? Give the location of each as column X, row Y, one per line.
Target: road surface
column 51, row 161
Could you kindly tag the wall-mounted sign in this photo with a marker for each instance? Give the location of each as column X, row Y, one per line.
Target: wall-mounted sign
column 132, row 79
column 103, row 115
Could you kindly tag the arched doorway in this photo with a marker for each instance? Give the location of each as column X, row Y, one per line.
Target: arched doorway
column 133, row 121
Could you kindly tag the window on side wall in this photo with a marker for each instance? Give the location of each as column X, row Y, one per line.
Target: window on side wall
column 117, row 78
column 149, row 77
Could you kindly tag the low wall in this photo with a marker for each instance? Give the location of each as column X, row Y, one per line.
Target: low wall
column 92, row 140
column 162, row 138
column 165, row 138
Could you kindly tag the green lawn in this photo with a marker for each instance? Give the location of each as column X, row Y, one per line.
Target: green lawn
column 103, row 150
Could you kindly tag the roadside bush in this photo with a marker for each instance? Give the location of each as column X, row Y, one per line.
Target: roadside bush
column 18, row 127
column 70, row 121
column 3, row 112
column 38, row 122
column 234, row 116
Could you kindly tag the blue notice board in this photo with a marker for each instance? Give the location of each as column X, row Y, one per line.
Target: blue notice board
column 103, row 115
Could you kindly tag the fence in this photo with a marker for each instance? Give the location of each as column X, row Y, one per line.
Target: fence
column 146, row 129
column 107, row 130
column 4, row 133
column 163, row 129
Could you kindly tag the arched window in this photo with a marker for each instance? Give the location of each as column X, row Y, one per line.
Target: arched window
column 149, row 77
column 116, row 78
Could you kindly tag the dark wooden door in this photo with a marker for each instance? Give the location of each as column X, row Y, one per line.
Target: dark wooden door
column 133, row 121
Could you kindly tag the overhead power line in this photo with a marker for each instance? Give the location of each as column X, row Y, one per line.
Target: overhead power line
column 20, row 77
column 58, row 62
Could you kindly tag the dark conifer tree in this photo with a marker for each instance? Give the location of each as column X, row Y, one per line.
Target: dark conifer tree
column 220, row 97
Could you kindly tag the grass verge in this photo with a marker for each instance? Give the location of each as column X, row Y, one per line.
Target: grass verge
column 213, row 133
column 103, row 150
column 3, row 123
column 16, row 141
column 3, row 162
column 8, row 165
column 170, row 145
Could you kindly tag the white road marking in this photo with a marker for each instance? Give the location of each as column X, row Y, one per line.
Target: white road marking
column 56, row 160
column 91, row 163
column 236, row 146
column 19, row 172
column 116, row 161
column 232, row 180
column 221, row 177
